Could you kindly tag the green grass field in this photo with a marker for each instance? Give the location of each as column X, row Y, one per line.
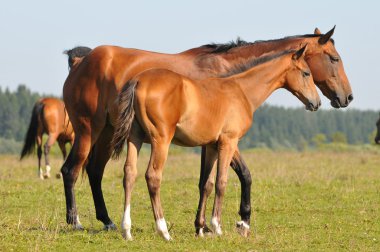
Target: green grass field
column 309, row 201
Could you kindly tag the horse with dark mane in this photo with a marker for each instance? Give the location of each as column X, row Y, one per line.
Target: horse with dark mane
column 96, row 79
column 377, row 138
column 161, row 107
column 49, row 117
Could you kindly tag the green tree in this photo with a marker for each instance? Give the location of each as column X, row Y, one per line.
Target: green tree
column 339, row 137
column 319, row 140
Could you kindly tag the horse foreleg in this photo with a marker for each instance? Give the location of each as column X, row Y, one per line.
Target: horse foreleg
column 241, row 169
column 100, row 154
column 70, row 171
column 226, row 149
column 206, row 183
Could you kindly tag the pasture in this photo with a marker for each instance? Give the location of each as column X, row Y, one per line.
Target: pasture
column 302, row 201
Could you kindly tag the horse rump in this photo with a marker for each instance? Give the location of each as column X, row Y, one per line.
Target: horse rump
column 30, row 138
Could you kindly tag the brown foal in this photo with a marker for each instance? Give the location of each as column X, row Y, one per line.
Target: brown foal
column 95, row 81
column 160, row 106
column 48, row 117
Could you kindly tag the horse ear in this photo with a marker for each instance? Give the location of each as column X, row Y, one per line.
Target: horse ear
column 326, row 37
column 299, row 53
column 317, row 31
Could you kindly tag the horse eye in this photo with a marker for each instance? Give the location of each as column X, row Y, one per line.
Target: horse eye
column 334, row 59
column 305, row 74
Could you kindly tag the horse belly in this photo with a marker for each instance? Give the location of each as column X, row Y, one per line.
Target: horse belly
column 191, row 134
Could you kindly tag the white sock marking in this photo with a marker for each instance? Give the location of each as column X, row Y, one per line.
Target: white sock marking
column 78, row 222
column 216, row 226
column 126, row 224
column 162, row 229
column 243, row 224
column 40, row 173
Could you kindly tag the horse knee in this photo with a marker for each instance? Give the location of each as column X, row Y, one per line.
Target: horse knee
column 46, row 149
column 221, row 185
column 247, row 178
column 209, row 186
column 39, row 152
column 153, row 181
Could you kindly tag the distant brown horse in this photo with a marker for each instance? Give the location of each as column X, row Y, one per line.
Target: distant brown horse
column 95, row 81
column 377, row 138
column 48, row 117
column 160, row 107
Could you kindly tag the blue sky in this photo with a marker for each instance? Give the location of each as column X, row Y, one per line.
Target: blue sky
column 34, row 34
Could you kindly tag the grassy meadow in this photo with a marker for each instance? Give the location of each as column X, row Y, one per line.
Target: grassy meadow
column 302, row 201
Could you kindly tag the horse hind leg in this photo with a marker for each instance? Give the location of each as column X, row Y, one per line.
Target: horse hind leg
column 39, row 156
column 97, row 161
column 70, row 171
column 153, row 177
column 130, row 174
column 62, row 146
column 50, row 141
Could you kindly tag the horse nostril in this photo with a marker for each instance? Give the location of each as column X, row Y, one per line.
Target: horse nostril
column 312, row 107
column 350, row 98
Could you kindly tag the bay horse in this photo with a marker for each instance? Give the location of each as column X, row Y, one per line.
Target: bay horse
column 377, row 138
column 48, row 117
column 96, row 79
column 161, row 107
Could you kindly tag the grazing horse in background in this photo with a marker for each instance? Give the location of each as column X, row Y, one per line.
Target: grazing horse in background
column 377, row 138
column 96, row 79
column 48, row 116
column 160, row 106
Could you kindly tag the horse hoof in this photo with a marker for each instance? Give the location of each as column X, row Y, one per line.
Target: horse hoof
column 165, row 235
column 204, row 232
column 58, row 175
column 46, row 175
column 127, row 235
column 78, row 227
column 109, row 227
column 216, row 227
column 243, row 228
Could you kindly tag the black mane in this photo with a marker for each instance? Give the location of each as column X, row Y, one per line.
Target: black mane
column 223, row 48
column 242, row 67
column 76, row 52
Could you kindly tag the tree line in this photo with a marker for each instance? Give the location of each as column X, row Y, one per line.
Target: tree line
column 274, row 126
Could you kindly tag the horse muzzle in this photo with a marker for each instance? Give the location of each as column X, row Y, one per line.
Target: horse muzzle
column 313, row 106
column 337, row 102
column 377, row 139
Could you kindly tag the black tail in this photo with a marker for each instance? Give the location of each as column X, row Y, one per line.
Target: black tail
column 125, row 119
column 76, row 52
column 30, row 138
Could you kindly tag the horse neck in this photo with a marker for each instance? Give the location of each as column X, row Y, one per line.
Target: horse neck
column 207, row 64
column 257, row 49
column 261, row 81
